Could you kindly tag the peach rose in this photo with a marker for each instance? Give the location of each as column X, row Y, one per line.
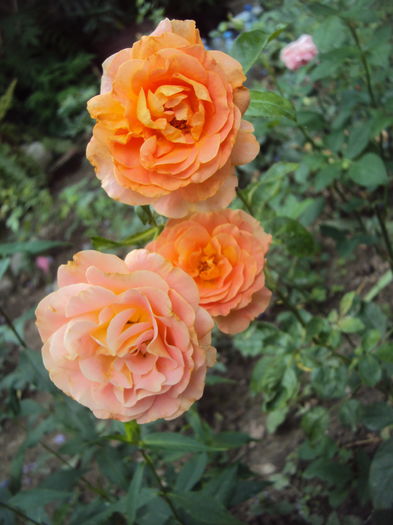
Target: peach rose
column 169, row 128
column 224, row 252
column 126, row 338
column 299, row 53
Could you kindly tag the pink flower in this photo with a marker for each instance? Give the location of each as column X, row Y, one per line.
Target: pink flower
column 299, row 53
column 224, row 252
column 126, row 338
column 43, row 263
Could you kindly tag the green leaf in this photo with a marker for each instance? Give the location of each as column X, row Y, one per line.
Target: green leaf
column 370, row 370
column 330, row 381
column 350, row 325
column 4, row 263
column 267, row 375
column 249, row 45
column 373, row 317
column 319, row 9
column 131, row 504
column 350, row 413
column 32, row 247
column 249, row 342
column 346, row 302
column 382, row 282
column 315, row 422
column 61, row 480
column 191, row 473
column 275, row 418
column 28, row 499
column 326, row 176
column 176, row 442
column 229, row 439
column 333, row 473
column 368, row 171
column 204, row 509
column 269, row 105
column 364, row 11
column 221, row 486
column 212, row 379
column 381, row 477
column 156, row 511
column 358, row 139
column 278, row 171
column 377, row 416
column 260, row 193
column 329, row 34
column 132, row 432
column 112, row 467
column 101, row 243
column 385, row 352
column 370, row 339
column 6, row 99
column 293, row 235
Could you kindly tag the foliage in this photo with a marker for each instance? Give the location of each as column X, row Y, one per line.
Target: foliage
column 21, row 187
column 320, row 360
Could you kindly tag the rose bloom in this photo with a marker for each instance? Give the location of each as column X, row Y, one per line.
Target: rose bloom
column 224, row 252
column 127, row 339
column 169, row 128
column 299, row 53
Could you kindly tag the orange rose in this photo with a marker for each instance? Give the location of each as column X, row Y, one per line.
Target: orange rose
column 127, row 339
column 224, row 252
column 169, row 128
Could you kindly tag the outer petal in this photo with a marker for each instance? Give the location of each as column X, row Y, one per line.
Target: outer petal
column 239, row 320
column 246, row 146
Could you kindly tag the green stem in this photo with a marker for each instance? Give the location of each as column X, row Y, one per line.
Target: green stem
column 358, row 217
column 164, row 492
column 11, row 325
column 152, row 219
column 244, row 201
column 142, row 236
column 19, row 513
column 290, row 307
column 364, row 62
column 385, row 235
column 308, row 137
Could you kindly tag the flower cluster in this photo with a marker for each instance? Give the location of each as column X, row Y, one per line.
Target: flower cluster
column 130, row 339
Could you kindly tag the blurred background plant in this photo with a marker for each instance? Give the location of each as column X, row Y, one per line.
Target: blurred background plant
column 297, row 418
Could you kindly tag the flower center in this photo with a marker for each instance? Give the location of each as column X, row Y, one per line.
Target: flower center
column 180, row 124
column 208, row 268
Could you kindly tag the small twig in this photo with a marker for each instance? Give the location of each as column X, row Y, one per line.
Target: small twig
column 164, row 492
column 11, row 325
column 364, row 62
column 362, row 442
